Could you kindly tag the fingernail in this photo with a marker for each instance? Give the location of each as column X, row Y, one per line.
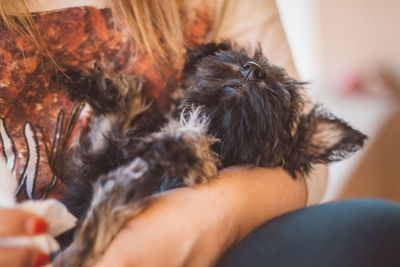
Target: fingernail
column 37, row 226
column 40, row 259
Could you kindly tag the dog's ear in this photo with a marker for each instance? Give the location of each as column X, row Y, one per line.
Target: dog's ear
column 323, row 138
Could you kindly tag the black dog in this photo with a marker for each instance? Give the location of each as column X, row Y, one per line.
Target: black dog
column 237, row 109
column 257, row 112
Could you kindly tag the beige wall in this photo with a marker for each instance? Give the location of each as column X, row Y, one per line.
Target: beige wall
column 358, row 34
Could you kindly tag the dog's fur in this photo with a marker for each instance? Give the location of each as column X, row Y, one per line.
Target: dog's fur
column 237, row 109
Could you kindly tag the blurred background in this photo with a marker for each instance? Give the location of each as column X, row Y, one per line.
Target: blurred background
column 349, row 51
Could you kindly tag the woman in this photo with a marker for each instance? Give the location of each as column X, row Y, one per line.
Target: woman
column 184, row 227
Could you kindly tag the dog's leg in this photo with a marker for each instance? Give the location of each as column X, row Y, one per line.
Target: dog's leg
column 180, row 149
column 116, row 101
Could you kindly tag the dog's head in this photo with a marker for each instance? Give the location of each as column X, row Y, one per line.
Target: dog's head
column 255, row 108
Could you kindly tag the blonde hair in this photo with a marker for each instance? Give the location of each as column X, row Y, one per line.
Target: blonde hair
column 156, row 25
column 16, row 17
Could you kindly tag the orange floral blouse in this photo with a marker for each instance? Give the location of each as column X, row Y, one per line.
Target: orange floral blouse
column 36, row 114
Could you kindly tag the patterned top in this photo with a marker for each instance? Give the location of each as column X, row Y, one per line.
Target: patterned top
column 35, row 111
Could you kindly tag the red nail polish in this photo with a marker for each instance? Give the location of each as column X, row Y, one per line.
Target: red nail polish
column 40, row 259
column 38, row 226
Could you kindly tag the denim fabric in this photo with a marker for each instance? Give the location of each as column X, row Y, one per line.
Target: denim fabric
column 359, row 232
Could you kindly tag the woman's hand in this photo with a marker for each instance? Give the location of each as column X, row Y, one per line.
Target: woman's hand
column 195, row 226
column 21, row 223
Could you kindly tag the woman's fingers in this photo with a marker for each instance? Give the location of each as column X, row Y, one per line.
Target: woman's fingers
column 17, row 222
column 22, row 257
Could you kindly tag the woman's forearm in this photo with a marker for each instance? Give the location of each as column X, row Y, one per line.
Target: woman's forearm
column 195, row 226
column 258, row 194
column 245, row 197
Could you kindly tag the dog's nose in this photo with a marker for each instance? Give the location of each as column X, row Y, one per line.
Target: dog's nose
column 252, row 70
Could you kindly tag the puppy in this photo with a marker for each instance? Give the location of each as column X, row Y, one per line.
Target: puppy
column 256, row 111
column 237, row 109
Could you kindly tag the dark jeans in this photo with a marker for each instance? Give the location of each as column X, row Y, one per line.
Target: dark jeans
column 361, row 232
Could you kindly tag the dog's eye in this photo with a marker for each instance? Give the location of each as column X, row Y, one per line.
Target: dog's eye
column 229, row 89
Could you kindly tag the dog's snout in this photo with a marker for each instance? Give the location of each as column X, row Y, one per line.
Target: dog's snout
column 252, row 70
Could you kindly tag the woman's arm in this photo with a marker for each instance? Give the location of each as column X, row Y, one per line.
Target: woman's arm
column 254, row 22
column 195, row 226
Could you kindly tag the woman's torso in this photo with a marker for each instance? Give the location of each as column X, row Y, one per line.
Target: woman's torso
column 35, row 109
